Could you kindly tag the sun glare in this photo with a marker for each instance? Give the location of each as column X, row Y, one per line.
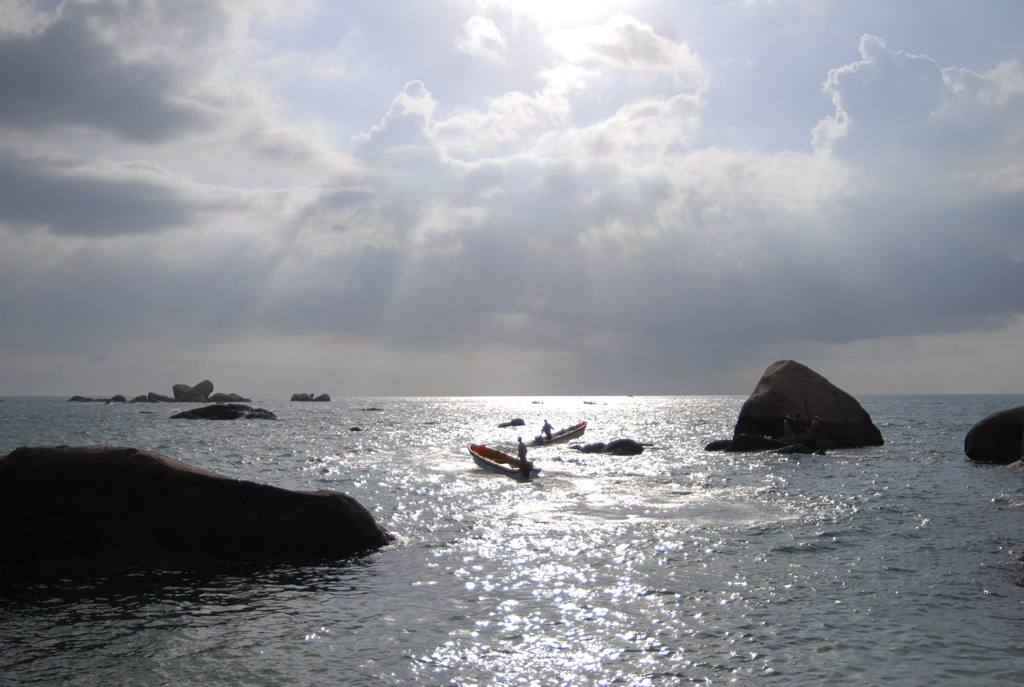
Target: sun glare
column 560, row 14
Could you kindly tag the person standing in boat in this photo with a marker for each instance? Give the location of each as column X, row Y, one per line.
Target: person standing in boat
column 525, row 466
column 547, row 429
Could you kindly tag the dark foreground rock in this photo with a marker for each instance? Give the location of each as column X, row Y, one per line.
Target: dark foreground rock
column 225, row 411
column 616, row 447
column 515, row 422
column 997, row 438
column 790, row 388
column 111, row 507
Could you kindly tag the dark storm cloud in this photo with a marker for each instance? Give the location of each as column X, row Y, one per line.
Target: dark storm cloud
column 74, row 200
column 66, row 76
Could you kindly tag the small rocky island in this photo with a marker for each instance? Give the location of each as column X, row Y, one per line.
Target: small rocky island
column 225, row 411
column 310, row 398
column 794, row 409
column 68, row 508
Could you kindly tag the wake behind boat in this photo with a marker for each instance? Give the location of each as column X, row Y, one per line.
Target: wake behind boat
column 493, row 460
column 561, row 435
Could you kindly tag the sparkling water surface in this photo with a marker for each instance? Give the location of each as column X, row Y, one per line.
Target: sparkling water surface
column 891, row 565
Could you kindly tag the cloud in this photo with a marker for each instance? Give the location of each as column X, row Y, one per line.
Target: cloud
column 894, row 108
column 67, row 75
column 88, row 199
column 482, row 38
column 537, row 209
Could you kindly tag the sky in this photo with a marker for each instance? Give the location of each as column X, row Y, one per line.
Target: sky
column 487, row 197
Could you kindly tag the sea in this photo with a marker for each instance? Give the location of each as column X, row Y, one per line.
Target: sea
column 894, row 565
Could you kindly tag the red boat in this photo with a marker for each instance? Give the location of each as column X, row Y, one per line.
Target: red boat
column 493, row 460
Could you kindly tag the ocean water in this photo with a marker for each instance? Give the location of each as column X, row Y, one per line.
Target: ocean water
column 892, row 565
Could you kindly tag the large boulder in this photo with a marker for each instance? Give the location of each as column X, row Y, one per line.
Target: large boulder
column 225, row 411
column 183, row 393
column 790, row 388
column 101, row 506
column 998, row 438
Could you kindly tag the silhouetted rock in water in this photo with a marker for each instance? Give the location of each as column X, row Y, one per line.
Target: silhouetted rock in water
column 789, row 388
column 116, row 398
column 372, row 409
column 183, row 393
column 322, row 398
column 616, row 447
column 355, row 429
column 225, row 411
column 517, row 422
column 997, row 438
column 69, row 508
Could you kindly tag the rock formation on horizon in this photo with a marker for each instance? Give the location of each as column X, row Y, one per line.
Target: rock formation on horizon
column 322, row 398
column 790, row 388
column 183, row 393
column 116, row 507
column 997, row 438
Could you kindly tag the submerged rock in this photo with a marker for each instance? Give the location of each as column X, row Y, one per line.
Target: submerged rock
column 102, row 506
column 516, row 422
column 997, row 438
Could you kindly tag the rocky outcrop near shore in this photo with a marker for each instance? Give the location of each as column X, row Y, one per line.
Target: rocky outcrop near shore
column 819, row 414
column 997, row 438
column 114, row 507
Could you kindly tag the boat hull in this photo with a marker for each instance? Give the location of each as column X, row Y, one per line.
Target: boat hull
column 561, row 435
column 493, row 460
